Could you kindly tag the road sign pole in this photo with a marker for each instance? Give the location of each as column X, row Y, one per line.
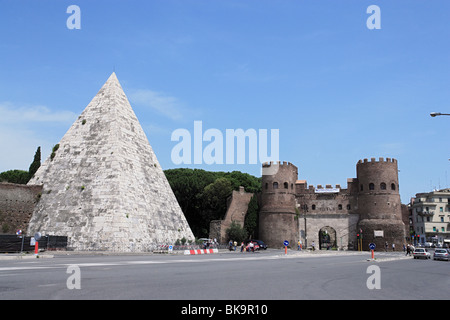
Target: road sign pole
column 286, row 243
column 372, row 247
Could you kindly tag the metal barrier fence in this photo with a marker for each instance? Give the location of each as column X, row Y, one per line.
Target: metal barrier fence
column 13, row 243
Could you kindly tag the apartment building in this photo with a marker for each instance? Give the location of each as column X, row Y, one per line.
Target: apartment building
column 431, row 217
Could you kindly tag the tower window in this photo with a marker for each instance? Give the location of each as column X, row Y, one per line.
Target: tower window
column 313, row 207
column 371, row 186
column 267, row 185
column 392, row 186
column 286, row 185
column 362, row 188
column 340, row 207
column 383, row 186
column 275, row 185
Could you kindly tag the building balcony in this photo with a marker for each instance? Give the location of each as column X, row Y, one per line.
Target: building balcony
column 425, row 213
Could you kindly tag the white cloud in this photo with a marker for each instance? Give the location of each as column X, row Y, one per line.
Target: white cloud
column 166, row 105
column 12, row 114
column 25, row 127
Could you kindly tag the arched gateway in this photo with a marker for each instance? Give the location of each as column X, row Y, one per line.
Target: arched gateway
column 327, row 238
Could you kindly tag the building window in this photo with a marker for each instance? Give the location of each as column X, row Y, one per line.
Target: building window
column 286, row 185
column 313, row 207
column 383, row 186
column 340, row 207
column 392, row 186
column 275, row 185
column 371, row 186
column 349, row 207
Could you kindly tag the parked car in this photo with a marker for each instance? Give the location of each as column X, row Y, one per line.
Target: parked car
column 259, row 244
column 441, row 254
column 421, row 253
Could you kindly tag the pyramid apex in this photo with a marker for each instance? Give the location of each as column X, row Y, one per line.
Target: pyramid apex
column 112, row 77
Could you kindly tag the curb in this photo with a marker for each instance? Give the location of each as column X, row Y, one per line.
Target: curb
column 200, row 251
column 20, row 257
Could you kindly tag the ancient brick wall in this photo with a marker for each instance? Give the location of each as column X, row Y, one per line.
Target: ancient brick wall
column 17, row 202
column 236, row 211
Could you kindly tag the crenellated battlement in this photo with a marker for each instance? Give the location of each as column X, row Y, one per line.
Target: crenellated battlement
column 279, row 163
column 381, row 159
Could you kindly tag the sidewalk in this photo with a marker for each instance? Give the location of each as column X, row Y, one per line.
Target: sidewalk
column 19, row 256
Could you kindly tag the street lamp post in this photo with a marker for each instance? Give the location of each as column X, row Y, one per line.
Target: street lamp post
column 434, row 114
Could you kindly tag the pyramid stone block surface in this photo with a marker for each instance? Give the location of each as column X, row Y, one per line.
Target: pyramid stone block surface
column 103, row 187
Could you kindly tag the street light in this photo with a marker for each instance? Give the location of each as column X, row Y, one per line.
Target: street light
column 434, row 114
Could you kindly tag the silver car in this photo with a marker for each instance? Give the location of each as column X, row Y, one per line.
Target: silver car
column 441, row 254
column 421, row 253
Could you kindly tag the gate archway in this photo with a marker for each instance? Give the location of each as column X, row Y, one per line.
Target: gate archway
column 327, row 238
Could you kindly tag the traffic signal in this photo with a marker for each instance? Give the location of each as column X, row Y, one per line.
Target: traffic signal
column 357, row 236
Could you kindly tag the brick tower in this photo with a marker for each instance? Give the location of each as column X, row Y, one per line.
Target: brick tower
column 379, row 204
column 276, row 221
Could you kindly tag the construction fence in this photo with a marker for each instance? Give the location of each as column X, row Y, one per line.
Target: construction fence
column 13, row 243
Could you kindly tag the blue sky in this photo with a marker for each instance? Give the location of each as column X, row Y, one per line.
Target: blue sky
column 336, row 91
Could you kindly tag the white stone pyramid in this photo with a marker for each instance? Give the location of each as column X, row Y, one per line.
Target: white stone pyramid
column 103, row 187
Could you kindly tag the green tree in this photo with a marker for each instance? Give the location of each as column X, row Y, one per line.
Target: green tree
column 203, row 197
column 215, row 197
column 15, row 176
column 35, row 164
column 236, row 233
column 251, row 218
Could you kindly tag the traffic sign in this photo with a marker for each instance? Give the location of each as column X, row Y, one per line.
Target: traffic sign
column 372, row 246
column 286, row 243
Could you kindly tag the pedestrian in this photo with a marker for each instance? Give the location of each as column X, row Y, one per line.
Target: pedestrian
column 230, row 245
column 393, row 246
column 408, row 250
column 235, row 245
column 242, row 246
column 299, row 244
column 386, row 246
column 313, row 245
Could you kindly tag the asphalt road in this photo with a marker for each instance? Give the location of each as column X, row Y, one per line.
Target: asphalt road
column 227, row 276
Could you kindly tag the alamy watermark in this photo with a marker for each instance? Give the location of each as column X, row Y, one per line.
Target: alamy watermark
column 74, row 280
column 74, row 20
column 374, row 280
column 235, row 146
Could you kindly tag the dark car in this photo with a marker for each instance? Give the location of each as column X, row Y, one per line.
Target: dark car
column 260, row 244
